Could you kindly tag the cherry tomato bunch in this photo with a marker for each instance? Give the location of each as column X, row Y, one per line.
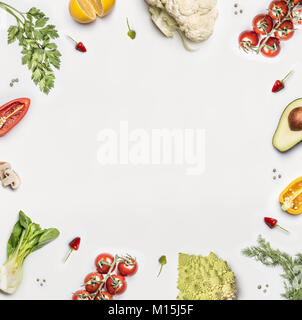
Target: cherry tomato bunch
column 104, row 283
column 273, row 27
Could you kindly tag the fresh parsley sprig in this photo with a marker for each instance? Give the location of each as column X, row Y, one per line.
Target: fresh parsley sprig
column 35, row 37
column 292, row 266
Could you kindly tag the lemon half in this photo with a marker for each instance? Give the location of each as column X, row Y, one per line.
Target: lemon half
column 97, row 5
column 82, row 11
column 107, row 6
column 85, row 11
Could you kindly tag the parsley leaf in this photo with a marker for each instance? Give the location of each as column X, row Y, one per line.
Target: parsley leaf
column 35, row 37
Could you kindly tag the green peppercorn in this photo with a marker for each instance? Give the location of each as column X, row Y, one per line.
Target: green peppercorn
column 163, row 261
column 131, row 33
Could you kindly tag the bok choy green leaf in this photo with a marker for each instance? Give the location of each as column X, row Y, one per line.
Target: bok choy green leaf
column 25, row 238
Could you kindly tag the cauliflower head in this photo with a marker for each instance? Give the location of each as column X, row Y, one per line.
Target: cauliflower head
column 205, row 278
column 195, row 18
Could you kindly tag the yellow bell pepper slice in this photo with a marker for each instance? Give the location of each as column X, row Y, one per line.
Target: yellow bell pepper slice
column 291, row 197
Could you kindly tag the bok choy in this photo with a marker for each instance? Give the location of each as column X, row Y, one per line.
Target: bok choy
column 25, row 238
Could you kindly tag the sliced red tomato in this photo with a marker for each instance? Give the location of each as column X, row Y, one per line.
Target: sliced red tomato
column 248, row 40
column 271, row 48
column 103, row 263
column 12, row 113
column 278, row 9
column 285, row 31
column 81, row 295
column 93, row 281
column 128, row 267
column 116, row 284
column 263, row 24
column 296, row 16
column 103, row 295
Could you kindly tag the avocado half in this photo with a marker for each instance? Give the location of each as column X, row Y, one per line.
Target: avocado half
column 285, row 138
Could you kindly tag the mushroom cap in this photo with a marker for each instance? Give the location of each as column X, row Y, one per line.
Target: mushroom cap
column 11, row 179
column 3, row 167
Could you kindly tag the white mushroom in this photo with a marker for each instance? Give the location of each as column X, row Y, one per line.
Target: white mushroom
column 3, row 167
column 8, row 176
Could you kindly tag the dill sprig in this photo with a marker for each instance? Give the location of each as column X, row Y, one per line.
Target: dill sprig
column 34, row 36
column 292, row 266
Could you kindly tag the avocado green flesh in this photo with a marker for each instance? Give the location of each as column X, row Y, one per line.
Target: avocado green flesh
column 284, row 138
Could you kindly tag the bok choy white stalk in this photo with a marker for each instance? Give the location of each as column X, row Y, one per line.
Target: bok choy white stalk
column 25, row 238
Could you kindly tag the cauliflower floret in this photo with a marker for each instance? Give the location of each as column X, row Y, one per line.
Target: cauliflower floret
column 165, row 23
column 157, row 3
column 205, row 278
column 198, row 28
column 195, row 18
column 179, row 8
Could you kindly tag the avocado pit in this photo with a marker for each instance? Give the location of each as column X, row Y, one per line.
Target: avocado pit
column 289, row 131
column 295, row 119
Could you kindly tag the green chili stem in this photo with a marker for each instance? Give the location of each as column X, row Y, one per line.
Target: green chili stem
column 282, row 228
column 287, row 76
column 70, row 251
column 72, row 39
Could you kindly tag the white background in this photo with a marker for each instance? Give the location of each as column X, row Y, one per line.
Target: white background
column 148, row 211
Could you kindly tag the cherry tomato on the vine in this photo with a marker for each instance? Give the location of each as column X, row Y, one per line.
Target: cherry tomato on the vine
column 81, row 295
column 93, row 281
column 128, row 267
column 296, row 16
column 294, row 2
column 285, row 31
column 103, row 295
column 248, row 40
column 103, row 263
column 278, row 9
column 271, row 48
column 263, row 24
column 116, row 284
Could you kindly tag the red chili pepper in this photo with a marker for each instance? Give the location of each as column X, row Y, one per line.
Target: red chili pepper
column 279, row 84
column 74, row 245
column 12, row 113
column 79, row 45
column 272, row 223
